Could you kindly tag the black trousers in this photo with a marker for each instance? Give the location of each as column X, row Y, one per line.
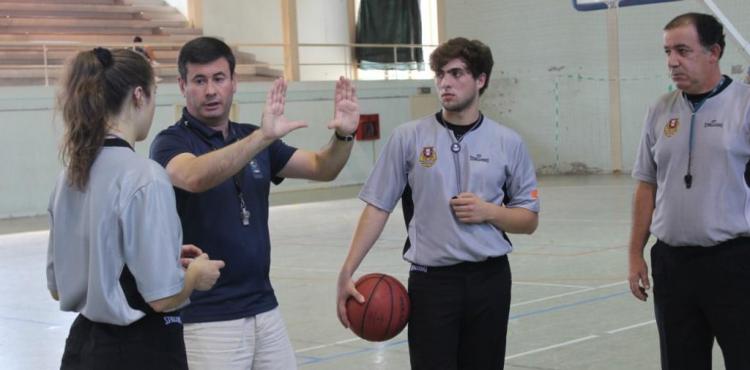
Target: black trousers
column 153, row 342
column 701, row 294
column 459, row 316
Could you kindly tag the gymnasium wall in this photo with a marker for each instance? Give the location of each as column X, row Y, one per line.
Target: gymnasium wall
column 32, row 129
column 260, row 22
column 550, row 80
column 549, row 84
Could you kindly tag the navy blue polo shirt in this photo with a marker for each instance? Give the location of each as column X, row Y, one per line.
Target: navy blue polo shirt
column 212, row 220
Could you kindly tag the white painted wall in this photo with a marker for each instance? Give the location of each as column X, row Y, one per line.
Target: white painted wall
column 247, row 22
column 550, row 77
column 549, row 84
column 323, row 22
column 32, row 131
column 180, row 5
column 318, row 22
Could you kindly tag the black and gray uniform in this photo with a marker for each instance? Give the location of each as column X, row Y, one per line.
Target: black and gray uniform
column 695, row 149
column 459, row 283
column 112, row 248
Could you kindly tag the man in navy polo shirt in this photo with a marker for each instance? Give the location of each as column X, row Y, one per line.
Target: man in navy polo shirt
column 222, row 173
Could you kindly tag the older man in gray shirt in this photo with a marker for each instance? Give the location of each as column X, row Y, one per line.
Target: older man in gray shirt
column 692, row 195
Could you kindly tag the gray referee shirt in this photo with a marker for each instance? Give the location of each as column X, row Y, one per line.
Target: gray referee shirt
column 418, row 153
column 717, row 206
column 127, row 215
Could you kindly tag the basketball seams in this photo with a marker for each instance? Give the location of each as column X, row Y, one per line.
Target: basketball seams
column 391, row 305
column 405, row 307
column 380, row 278
column 368, row 318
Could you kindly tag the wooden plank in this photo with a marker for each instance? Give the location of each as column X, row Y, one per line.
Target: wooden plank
column 87, row 22
column 91, row 38
column 291, row 43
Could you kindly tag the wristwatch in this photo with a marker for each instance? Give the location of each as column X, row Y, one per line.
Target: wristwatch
column 346, row 138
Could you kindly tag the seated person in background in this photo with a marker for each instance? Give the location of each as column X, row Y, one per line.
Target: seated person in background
column 144, row 50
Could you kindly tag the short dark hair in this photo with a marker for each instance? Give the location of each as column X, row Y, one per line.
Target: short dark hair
column 476, row 55
column 204, row 50
column 710, row 31
column 137, row 39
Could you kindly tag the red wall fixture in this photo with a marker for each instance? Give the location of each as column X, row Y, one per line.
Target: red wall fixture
column 369, row 127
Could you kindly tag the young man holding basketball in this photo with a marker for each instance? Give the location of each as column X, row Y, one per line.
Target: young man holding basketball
column 464, row 181
column 693, row 196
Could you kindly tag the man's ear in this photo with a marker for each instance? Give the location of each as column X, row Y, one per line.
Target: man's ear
column 715, row 50
column 482, row 80
column 182, row 84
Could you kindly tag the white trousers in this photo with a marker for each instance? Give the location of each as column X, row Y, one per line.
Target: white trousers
column 252, row 343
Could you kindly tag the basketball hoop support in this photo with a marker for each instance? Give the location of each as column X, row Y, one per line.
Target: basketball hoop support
column 727, row 24
column 613, row 67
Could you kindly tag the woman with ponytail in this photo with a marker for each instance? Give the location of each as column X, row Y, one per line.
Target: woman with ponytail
column 115, row 253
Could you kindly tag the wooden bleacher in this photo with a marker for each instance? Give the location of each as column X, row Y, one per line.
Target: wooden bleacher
column 37, row 37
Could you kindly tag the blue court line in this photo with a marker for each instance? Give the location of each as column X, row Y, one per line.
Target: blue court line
column 314, row 359
column 563, row 306
column 20, row 319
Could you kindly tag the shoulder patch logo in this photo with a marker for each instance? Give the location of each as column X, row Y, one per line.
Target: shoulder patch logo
column 671, row 127
column 428, row 156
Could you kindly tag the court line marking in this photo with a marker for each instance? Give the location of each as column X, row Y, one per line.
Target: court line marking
column 379, row 347
column 532, row 283
column 589, row 289
column 558, row 345
column 31, row 321
column 614, row 331
column 582, row 339
column 568, row 305
column 327, row 345
column 312, row 359
column 590, row 251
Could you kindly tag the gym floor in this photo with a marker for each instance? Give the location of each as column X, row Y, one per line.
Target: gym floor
column 571, row 307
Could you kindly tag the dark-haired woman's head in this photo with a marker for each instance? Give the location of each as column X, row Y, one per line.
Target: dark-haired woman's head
column 94, row 89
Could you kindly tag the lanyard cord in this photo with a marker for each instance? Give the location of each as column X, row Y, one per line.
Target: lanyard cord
column 456, row 145
column 694, row 107
column 237, row 178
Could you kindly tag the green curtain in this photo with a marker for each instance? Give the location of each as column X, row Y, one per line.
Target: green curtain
column 389, row 22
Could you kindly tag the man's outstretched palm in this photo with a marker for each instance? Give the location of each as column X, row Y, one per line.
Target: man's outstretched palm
column 274, row 125
column 346, row 108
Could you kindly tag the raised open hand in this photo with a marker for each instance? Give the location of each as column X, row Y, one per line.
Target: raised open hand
column 273, row 124
column 346, row 108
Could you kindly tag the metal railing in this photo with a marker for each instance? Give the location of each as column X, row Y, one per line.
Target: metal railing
column 50, row 66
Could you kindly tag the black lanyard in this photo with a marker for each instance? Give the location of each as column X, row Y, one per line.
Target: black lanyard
column 456, row 144
column 117, row 141
column 694, row 107
column 237, row 178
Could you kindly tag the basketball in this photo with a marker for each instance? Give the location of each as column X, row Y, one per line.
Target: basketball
column 385, row 311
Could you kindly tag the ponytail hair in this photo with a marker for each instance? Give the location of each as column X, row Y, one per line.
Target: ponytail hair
column 94, row 88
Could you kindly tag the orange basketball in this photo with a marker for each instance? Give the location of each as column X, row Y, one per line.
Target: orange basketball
column 385, row 311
